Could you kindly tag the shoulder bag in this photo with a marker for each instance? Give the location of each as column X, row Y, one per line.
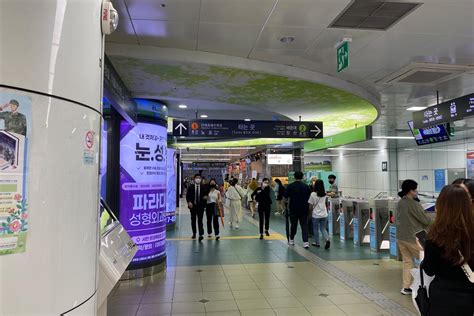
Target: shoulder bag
column 422, row 299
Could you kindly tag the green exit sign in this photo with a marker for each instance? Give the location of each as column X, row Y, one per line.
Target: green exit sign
column 343, row 56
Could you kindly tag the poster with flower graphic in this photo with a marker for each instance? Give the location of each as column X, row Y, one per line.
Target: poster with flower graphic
column 15, row 131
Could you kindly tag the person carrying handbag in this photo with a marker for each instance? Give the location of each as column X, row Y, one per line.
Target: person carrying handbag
column 212, row 211
column 319, row 213
column 234, row 202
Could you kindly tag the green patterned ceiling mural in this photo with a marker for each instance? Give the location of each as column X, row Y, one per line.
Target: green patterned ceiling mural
column 339, row 110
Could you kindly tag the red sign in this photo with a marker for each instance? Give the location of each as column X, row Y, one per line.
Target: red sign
column 89, row 139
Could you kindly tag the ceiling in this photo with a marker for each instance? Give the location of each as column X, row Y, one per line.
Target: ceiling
column 211, row 54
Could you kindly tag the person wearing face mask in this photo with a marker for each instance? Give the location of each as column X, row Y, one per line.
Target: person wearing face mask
column 212, row 212
column 411, row 218
column 196, row 198
column 235, row 193
column 263, row 197
column 333, row 188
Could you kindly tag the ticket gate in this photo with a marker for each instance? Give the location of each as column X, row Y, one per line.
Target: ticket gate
column 392, row 213
column 361, row 223
column 333, row 216
column 379, row 225
column 346, row 218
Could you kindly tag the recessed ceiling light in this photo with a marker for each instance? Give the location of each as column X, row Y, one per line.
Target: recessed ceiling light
column 204, row 116
column 416, row 108
column 182, row 106
column 287, row 39
column 247, row 120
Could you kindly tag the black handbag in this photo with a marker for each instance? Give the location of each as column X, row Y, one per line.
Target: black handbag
column 422, row 299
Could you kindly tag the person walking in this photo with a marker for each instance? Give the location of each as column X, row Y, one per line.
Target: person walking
column 253, row 185
column 263, row 197
column 196, row 198
column 411, row 218
column 212, row 212
column 298, row 194
column 280, row 192
column 449, row 254
column 319, row 213
column 235, row 194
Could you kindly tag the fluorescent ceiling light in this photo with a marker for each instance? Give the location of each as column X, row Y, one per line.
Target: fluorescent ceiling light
column 247, row 120
column 416, row 108
column 216, row 159
column 219, row 148
column 356, row 149
column 393, row 137
column 322, row 155
column 204, row 116
column 182, row 106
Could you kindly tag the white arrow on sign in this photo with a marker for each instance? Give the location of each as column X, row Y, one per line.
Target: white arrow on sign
column 317, row 131
column 181, row 127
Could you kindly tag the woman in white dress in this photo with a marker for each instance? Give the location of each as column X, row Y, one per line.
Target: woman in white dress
column 234, row 194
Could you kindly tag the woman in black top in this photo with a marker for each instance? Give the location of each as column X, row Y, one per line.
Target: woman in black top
column 450, row 245
column 280, row 192
column 264, row 200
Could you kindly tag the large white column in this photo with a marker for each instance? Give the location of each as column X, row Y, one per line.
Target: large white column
column 50, row 53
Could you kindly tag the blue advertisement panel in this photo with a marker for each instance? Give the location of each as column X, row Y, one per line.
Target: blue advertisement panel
column 103, row 160
column 440, row 179
column 355, row 222
column 143, row 188
column 342, row 224
column 393, row 240
column 330, row 224
column 171, row 187
column 373, row 236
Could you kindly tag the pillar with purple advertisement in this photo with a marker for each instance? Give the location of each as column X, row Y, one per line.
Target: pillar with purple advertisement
column 143, row 155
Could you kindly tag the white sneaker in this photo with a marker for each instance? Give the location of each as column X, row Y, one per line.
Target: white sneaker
column 291, row 242
column 406, row 291
column 306, row 245
column 237, row 227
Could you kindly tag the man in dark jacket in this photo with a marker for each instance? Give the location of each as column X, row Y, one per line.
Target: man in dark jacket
column 196, row 198
column 298, row 195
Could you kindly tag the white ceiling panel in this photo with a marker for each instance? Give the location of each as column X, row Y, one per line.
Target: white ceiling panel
column 293, row 57
column 308, row 13
column 230, row 39
column 173, row 10
column 236, row 11
column 442, row 19
column 124, row 33
column 271, row 35
column 167, row 34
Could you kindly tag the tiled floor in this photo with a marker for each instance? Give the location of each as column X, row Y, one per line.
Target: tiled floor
column 241, row 275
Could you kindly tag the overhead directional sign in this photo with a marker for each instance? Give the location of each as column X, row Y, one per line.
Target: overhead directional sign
column 252, row 129
column 449, row 111
column 353, row 136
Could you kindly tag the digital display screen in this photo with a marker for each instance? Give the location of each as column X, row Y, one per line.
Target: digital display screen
column 171, row 187
column 429, row 135
column 143, row 155
column 280, row 159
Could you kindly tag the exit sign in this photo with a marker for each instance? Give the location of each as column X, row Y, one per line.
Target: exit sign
column 343, row 56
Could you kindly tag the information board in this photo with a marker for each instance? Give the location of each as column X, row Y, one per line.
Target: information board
column 171, row 187
column 445, row 112
column 241, row 129
column 355, row 135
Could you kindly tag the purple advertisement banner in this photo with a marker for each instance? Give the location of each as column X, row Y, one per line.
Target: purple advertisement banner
column 143, row 187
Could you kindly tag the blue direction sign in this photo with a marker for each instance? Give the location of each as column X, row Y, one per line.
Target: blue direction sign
column 252, row 129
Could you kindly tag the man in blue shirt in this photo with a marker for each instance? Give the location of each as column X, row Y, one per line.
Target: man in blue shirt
column 298, row 194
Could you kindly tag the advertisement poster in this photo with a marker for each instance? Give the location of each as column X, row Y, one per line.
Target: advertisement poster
column 171, row 187
column 15, row 132
column 440, row 179
column 143, row 187
column 470, row 165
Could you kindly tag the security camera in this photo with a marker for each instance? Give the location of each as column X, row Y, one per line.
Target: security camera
column 109, row 18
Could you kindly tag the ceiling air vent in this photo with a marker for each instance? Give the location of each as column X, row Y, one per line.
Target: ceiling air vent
column 424, row 74
column 373, row 14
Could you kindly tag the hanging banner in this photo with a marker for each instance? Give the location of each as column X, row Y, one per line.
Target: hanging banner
column 143, row 188
column 15, row 132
